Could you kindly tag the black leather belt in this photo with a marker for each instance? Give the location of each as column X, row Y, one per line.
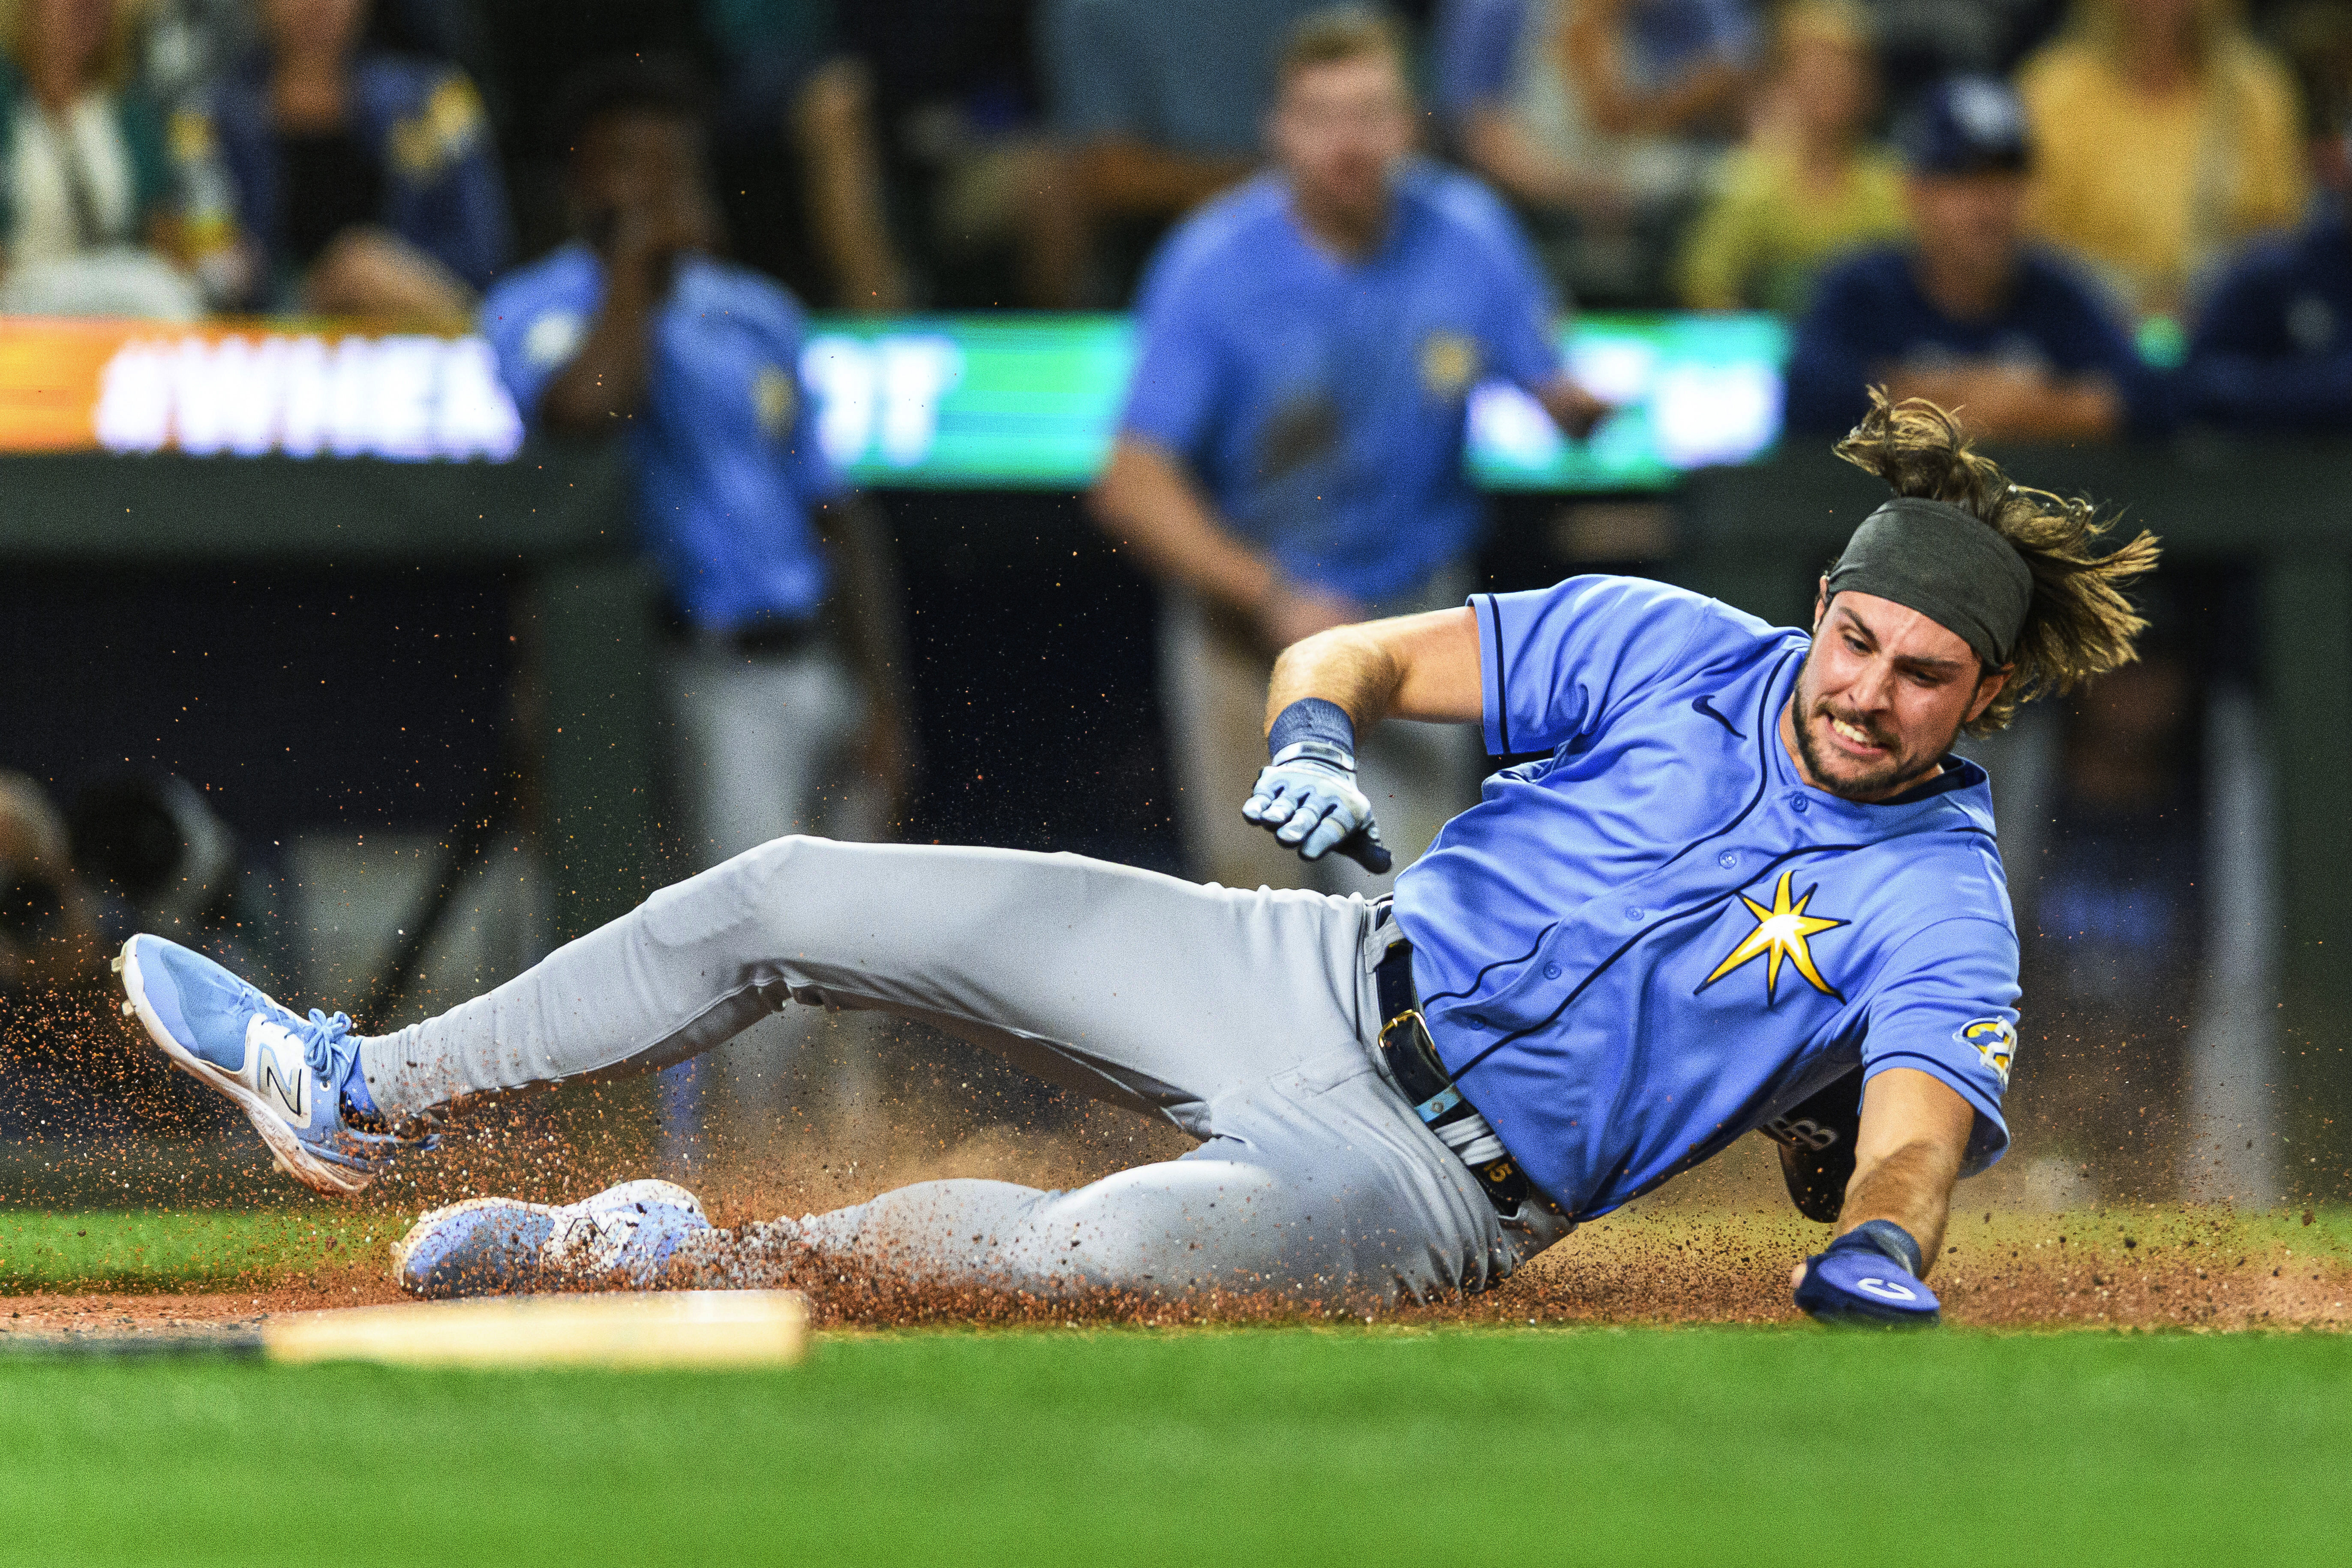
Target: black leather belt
column 1412, row 1060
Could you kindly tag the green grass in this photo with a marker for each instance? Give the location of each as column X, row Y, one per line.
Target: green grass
column 182, row 1250
column 1220, row 1446
column 1228, row 1445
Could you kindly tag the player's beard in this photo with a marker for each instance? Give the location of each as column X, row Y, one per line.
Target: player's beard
column 1888, row 778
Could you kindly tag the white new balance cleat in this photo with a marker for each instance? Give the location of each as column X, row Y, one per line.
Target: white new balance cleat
column 286, row 1073
column 619, row 1239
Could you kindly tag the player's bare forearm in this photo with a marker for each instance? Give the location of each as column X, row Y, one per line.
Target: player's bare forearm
column 2084, row 409
column 1410, row 667
column 1125, row 177
column 1915, row 1131
column 1573, row 409
column 867, row 596
column 1148, row 503
column 606, row 378
column 1509, row 156
column 865, row 608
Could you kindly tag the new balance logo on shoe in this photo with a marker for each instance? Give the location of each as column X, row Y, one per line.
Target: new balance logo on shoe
column 277, row 1067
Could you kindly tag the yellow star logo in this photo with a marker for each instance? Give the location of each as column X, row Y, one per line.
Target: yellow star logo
column 1782, row 931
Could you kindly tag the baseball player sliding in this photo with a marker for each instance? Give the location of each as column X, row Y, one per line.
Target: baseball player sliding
column 1746, row 877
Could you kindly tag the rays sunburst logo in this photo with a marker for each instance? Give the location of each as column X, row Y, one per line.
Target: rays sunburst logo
column 1783, row 935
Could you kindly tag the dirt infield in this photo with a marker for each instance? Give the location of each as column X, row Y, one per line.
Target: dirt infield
column 2205, row 1272
column 1714, row 1250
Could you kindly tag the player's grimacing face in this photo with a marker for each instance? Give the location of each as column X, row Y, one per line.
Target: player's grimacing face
column 1881, row 696
column 1339, row 128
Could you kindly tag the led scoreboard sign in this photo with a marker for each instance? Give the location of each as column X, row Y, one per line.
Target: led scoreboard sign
column 1004, row 400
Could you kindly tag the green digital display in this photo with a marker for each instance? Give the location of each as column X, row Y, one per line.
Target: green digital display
column 1017, row 401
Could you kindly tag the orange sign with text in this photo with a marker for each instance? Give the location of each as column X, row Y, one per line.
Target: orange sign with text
column 136, row 386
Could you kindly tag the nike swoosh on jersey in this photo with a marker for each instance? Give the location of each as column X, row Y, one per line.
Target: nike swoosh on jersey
column 1704, row 706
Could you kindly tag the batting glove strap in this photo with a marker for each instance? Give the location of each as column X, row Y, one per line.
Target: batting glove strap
column 1887, row 1238
column 1859, row 1278
column 1315, row 750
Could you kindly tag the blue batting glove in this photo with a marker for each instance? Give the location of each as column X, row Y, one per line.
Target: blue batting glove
column 1307, row 798
column 1869, row 1274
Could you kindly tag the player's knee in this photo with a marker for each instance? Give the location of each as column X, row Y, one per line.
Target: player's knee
column 750, row 888
column 781, row 860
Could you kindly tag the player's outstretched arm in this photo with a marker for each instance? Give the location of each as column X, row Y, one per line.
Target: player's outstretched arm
column 1335, row 684
column 1915, row 1131
column 1409, row 667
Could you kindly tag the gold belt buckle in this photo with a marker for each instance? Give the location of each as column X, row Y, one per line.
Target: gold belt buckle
column 1410, row 1016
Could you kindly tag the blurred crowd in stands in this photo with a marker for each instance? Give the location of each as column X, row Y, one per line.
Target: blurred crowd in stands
column 2079, row 217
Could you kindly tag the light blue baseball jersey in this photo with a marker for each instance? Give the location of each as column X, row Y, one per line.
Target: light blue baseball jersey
column 1637, row 949
column 1323, row 402
column 725, row 451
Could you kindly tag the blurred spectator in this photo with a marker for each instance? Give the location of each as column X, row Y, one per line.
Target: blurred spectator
column 1967, row 313
column 636, row 328
column 1160, row 106
column 1804, row 188
column 792, row 79
column 1922, row 42
column 1599, row 119
column 2163, row 137
column 158, row 858
column 783, row 674
column 985, row 186
column 2316, row 36
column 187, row 43
column 48, row 936
column 2272, row 348
column 1291, row 456
column 69, row 1067
column 86, row 200
column 365, row 180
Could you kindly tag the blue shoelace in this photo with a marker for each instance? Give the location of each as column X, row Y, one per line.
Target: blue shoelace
column 319, row 1040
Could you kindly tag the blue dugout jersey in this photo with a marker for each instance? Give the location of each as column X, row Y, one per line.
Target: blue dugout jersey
column 725, row 451
column 1868, row 319
column 1323, row 402
column 1659, row 936
column 2272, row 348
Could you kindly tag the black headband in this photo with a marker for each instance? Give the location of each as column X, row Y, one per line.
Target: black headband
column 1947, row 564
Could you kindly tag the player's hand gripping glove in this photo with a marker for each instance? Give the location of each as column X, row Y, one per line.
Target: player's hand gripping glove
column 1307, row 796
column 1869, row 1274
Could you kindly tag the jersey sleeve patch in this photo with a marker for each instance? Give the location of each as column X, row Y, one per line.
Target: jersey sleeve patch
column 1950, row 1009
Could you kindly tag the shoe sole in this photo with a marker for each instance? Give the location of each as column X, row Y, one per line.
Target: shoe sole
column 649, row 1187
column 284, row 1148
column 402, row 1248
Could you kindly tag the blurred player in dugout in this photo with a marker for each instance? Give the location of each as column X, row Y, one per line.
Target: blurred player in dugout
column 1291, row 454
column 780, row 669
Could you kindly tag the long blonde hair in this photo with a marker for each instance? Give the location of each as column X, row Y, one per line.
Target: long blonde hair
column 2079, row 623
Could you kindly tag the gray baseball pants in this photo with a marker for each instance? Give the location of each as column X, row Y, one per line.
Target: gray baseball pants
column 1247, row 1020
